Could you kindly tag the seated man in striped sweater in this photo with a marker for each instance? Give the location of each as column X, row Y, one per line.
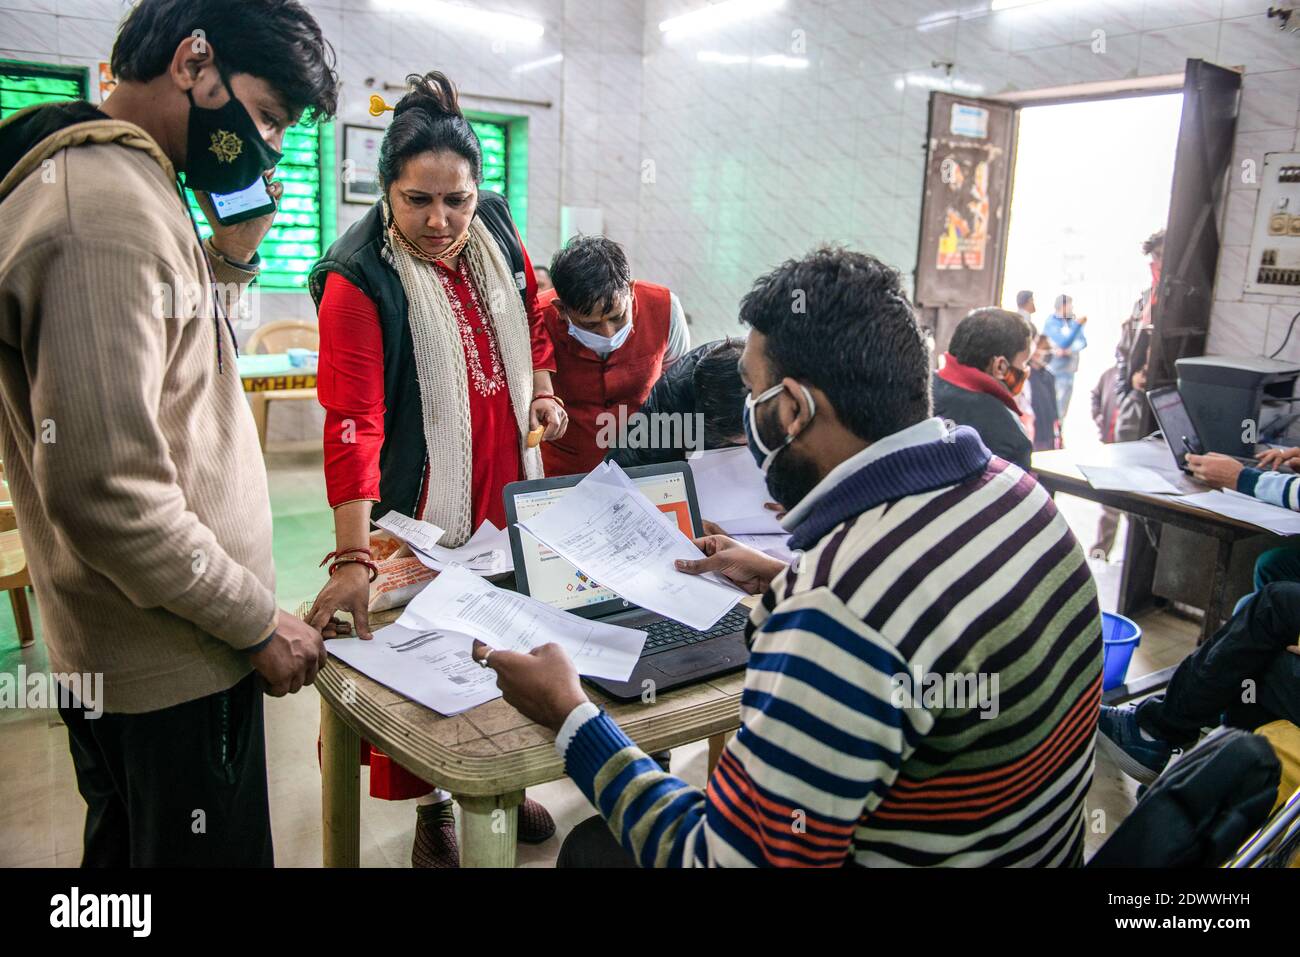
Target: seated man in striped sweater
column 925, row 679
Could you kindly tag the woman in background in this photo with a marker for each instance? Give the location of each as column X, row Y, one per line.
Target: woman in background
column 434, row 368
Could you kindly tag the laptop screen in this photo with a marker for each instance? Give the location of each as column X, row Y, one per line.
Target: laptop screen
column 1174, row 422
column 552, row 579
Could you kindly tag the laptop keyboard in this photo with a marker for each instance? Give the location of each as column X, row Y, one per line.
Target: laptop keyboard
column 665, row 634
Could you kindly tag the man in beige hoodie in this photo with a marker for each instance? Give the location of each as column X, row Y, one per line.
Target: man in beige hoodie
column 131, row 453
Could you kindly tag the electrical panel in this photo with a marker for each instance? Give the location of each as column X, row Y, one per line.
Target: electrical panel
column 1274, row 263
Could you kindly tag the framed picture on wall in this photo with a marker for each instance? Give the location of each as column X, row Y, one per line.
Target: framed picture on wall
column 361, row 163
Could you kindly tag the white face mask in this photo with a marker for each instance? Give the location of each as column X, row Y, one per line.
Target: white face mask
column 601, row 345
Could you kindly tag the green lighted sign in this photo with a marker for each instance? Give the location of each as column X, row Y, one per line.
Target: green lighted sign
column 26, row 84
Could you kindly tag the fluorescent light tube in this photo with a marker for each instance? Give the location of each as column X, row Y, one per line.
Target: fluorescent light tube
column 718, row 14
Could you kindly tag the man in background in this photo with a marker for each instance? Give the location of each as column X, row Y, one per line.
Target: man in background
column 543, row 276
column 983, row 372
column 1025, row 304
column 131, row 453
column 1041, row 387
column 1068, row 340
column 613, row 338
column 1139, row 321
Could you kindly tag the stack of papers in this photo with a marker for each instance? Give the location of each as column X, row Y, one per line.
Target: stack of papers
column 732, row 492
column 427, row 654
column 612, row 533
column 1245, row 508
column 1129, row 479
column 486, row 553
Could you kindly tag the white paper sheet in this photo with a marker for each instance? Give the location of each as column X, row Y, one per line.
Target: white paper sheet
column 434, row 667
column 413, row 531
column 732, row 492
column 486, row 553
column 611, row 532
column 1244, row 508
column 458, row 601
column 1129, row 479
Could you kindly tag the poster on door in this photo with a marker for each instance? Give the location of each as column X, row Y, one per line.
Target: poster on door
column 963, row 241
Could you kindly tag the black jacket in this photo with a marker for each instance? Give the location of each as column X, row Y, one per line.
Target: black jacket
column 996, row 424
column 1042, row 398
column 363, row 258
column 673, row 393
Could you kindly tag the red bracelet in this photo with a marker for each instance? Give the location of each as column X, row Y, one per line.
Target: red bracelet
column 340, row 554
column 374, row 569
column 548, row 395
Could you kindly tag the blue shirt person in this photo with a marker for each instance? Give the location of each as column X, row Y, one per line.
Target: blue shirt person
column 1068, row 340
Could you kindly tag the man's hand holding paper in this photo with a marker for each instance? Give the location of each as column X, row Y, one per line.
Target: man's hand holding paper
column 613, row 533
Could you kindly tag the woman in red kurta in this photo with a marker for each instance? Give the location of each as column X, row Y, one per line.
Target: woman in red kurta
column 431, row 352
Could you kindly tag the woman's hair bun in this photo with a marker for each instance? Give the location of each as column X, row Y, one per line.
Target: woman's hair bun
column 433, row 93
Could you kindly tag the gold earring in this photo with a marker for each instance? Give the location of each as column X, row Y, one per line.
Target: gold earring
column 377, row 105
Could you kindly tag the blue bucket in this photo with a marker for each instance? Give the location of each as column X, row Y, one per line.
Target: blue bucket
column 1119, row 636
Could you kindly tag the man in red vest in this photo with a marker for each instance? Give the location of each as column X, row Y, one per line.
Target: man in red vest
column 613, row 337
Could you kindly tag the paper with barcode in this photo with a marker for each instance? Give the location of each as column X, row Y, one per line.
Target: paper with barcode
column 461, row 602
column 430, row 665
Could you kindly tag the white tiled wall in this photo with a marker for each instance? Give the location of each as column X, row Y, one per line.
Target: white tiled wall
column 712, row 173
column 755, row 164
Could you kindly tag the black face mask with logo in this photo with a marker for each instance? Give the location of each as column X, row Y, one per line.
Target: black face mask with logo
column 225, row 151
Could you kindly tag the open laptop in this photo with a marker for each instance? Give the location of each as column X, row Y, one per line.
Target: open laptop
column 1177, row 427
column 674, row 655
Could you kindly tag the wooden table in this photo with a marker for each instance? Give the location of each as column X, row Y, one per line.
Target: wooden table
column 485, row 757
column 1058, row 472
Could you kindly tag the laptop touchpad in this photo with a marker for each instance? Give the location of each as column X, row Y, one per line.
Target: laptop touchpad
column 710, row 655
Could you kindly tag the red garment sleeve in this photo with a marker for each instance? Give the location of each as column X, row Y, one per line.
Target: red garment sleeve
column 350, row 386
column 543, row 350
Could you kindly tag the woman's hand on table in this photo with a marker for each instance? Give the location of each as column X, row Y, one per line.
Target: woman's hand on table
column 1277, row 458
column 1215, row 469
column 347, row 590
column 746, row 567
column 542, row 685
column 549, row 415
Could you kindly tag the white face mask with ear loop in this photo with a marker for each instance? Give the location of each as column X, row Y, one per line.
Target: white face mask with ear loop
column 602, row 345
column 763, row 456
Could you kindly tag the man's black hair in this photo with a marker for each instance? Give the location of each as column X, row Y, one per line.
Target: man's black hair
column 985, row 334
column 838, row 320
column 275, row 40
column 1023, row 296
column 720, row 392
column 590, row 274
column 1154, row 243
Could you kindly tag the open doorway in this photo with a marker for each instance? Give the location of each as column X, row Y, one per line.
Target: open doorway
column 1091, row 181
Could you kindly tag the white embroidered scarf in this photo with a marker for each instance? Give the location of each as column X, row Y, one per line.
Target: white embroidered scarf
column 444, row 385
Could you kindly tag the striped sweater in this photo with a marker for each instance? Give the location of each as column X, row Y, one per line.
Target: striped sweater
column 1276, row 488
column 864, row 736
